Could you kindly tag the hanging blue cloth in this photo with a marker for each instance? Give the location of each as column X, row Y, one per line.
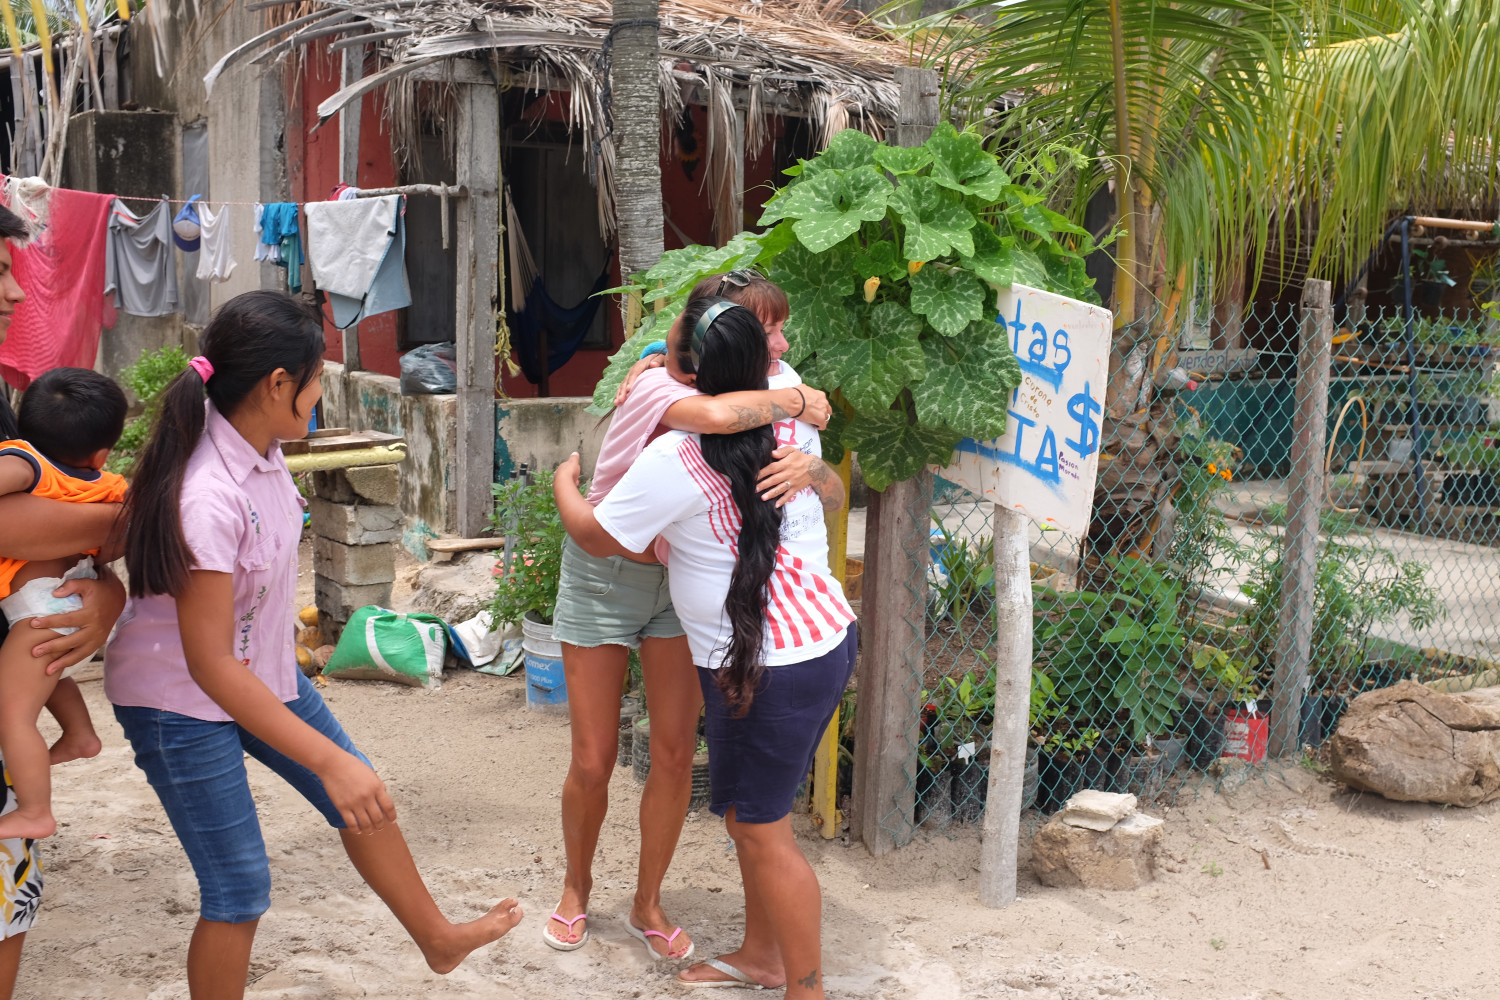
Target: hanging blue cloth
column 565, row 328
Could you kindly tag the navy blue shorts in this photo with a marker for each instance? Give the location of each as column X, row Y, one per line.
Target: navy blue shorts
column 755, row 763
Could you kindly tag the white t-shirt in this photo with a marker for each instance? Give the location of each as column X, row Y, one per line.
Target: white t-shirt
column 671, row 491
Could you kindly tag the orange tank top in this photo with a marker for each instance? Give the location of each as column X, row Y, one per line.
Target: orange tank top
column 55, row 484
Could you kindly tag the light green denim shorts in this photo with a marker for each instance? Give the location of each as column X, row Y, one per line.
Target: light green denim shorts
column 612, row 601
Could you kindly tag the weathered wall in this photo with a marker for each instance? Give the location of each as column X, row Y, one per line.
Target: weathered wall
column 542, row 432
column 129, row 153
column 430, row 426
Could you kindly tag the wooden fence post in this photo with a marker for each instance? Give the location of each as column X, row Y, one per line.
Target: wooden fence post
column 478, row 243
column 1013, row 625
column 895, row 599
column 1300, row 544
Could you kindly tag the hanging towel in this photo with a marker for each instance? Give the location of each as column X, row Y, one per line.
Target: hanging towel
column 215, row 257
column 62, row 272
column 139, row 266
column 281, row 237
column 357, row 252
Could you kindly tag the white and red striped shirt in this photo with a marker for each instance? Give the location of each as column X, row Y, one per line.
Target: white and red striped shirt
column 671, row 491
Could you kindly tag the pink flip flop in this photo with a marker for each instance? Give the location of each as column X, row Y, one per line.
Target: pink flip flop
column 644, row 937
column 560, row 944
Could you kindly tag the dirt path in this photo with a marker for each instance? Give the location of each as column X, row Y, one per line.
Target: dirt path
column 1286, row 889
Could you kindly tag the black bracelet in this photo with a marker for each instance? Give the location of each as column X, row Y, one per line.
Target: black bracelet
column 804, row 402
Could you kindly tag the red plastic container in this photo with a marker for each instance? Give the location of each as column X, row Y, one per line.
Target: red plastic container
column 1246, row 735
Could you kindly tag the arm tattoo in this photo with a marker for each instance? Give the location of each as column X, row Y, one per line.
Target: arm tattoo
column 829, row 488
column 748, row 418
column 809, row 981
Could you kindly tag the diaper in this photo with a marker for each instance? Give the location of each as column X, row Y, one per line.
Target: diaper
column 35, row 600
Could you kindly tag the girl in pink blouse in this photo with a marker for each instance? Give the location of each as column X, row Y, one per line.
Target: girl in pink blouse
column 203, row 670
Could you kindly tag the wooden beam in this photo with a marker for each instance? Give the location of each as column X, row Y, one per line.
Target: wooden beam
column 895, row 602
column 478, row 168
column 1000, row 845
column 1299, row 555
column 733, row 206
column 352, row 70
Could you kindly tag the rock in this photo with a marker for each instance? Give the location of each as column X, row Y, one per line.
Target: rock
column 1095, row 810
column 456, row 591
column 1122, row 857
column 377, row 484
column 1231, row 772
column 321, row 656
column 1413, row 744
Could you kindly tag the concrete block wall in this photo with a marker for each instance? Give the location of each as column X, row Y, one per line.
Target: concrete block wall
column 538, row 432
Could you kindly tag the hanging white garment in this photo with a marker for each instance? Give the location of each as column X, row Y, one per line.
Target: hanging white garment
column 215, row 258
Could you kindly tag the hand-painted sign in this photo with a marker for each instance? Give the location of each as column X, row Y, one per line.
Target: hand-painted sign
column 1046, row 463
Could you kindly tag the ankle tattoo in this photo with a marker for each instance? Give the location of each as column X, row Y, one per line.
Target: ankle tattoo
column 810, row 981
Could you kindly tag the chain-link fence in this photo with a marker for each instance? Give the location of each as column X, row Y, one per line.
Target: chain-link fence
column 1162, row 638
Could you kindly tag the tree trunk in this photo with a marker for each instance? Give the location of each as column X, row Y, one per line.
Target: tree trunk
column 635, row 128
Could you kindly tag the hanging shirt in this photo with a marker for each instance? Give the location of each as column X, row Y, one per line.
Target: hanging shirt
column 215, row 257
column 280, row 232
column 139, row 266
column 241, row 515
column 357, row 252
column 62, row 272
column 672, row 491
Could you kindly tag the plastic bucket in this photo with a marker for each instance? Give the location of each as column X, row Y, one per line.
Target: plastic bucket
column 546, row 685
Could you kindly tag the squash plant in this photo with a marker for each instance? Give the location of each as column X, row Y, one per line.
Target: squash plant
column 890, row 257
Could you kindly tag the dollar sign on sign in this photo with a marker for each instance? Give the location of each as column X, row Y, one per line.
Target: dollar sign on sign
column 1082, row 408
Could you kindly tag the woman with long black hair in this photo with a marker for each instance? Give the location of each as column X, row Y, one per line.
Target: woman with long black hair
column 770, row 631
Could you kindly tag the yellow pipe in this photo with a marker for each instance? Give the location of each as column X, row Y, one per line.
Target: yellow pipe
column 123, row 6
column 322, row 461
column 83, row 16
column 825, row 784
column 44, row 35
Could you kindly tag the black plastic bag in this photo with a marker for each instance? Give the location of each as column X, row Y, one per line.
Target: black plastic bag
column 429, row 370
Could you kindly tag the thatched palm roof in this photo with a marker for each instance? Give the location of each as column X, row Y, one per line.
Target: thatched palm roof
column 811, row 58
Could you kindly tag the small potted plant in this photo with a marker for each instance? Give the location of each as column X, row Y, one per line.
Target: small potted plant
column 526, row 581
column 1072, row 760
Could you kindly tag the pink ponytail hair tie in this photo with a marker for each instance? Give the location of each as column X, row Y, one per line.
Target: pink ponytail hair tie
column 201, row 365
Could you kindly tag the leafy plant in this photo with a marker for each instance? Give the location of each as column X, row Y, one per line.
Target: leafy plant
column 525, row 509
column 1116, row 653
column 1072, row 744
column 148, row 378
column 1225, row 674
column 890, row 258
column 967, row 574
column 1356, row 584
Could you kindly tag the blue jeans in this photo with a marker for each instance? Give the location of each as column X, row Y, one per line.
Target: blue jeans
column 198, row 770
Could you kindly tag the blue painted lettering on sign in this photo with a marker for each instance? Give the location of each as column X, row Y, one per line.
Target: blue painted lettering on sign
column 1081, row 407
column 1046, row 355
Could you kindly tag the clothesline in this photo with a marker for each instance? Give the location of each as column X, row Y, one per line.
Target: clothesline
column 442, row 190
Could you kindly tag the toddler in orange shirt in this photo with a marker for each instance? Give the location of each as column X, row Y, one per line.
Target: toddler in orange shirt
column 70, row 419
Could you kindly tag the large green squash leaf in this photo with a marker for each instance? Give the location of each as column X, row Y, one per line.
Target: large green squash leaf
column 950, row 298
column 892, row 448
column 935, row 220
column 830, row 206
column 960, row 163
column 969, row 381
column 871, row 372
column 816, row 285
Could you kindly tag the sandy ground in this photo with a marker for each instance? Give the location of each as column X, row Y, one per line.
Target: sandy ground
column 1288, row 888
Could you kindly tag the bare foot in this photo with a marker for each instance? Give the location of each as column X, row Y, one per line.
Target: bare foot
column 71, row 746
column 28, row 824
column 445, row 956
column 573, row 904
column 655, row 919
column 765, row 970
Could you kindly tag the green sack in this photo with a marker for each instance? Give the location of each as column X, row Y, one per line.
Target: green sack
column 378, row 644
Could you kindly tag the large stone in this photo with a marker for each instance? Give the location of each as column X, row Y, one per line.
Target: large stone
column 458, row 590
column 355, row 524
column 377, row 484
column 1096, row 810
column 1122, row 857
column 354, row 564
column 1413, row 744
column 338, row 601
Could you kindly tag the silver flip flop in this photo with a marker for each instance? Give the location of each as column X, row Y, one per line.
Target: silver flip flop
column 737, row 980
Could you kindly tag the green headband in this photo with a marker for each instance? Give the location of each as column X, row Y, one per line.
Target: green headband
column 700, row 329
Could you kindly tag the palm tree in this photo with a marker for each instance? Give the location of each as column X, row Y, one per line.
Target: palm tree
column 1227, row 128
column 635, row 124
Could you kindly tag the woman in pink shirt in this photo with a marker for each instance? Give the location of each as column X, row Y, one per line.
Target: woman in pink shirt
column 203, row 670
column 608, row 605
